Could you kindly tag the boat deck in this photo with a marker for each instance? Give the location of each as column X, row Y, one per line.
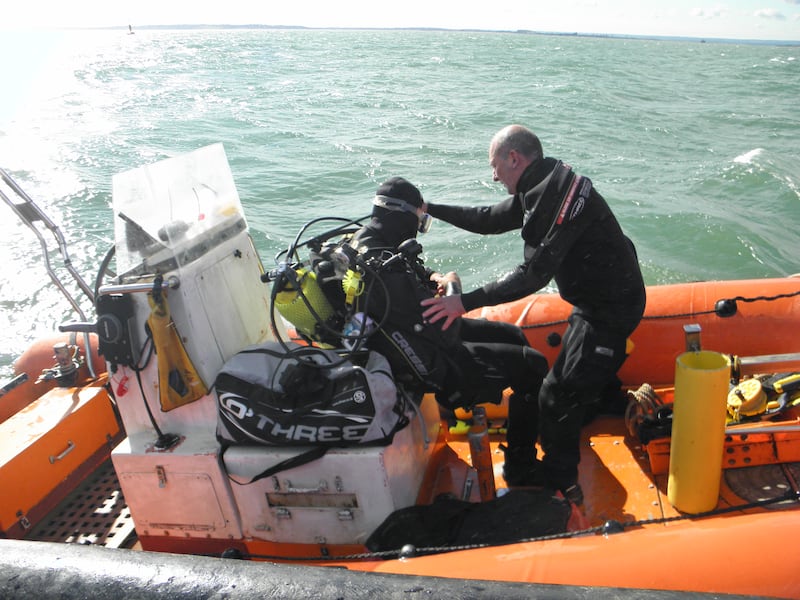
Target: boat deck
column 95, row 513
column 615, row 474
column 618, row 483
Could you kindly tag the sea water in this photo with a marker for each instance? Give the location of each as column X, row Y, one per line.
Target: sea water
column 694, row 145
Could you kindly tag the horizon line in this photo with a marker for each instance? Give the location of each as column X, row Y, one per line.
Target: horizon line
column 461, row 29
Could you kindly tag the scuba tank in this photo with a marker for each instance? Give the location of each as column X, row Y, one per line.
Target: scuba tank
column 317, row 295
column 302, row 302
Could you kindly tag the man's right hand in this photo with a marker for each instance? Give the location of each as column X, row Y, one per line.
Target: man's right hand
column 448, row 308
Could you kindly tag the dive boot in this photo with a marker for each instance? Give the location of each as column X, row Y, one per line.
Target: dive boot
column 521, row 469
column 567, row 485
column 574, row 494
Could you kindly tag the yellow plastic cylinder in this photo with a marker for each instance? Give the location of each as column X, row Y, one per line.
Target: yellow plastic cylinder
column 698, row 431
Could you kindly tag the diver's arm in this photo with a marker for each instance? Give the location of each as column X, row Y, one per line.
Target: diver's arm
column 520, row 282
column 498, row 218
column 542, row 261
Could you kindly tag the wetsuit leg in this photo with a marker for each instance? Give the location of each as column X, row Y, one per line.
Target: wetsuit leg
column 501, row 350
column 492, row 332
column 495, row 356
column 522, row 429
column 495, row 367
column 498, row 366
column 589, row 359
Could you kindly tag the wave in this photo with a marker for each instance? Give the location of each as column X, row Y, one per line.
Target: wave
column 747, row 157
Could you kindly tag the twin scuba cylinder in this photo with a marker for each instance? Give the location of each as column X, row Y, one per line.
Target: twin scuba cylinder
column 319, row 297
column 299, row 298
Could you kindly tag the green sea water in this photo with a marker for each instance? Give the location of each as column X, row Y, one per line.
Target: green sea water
column 694, row 145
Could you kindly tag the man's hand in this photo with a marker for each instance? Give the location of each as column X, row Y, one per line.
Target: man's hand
column 448, row 308
column 446, row 284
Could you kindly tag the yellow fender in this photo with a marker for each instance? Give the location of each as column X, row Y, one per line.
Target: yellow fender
column 178, row 381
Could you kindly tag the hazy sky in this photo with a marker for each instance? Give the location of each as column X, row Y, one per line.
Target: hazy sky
column 744, row 19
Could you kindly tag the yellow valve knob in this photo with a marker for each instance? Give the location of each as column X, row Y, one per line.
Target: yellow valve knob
column 747, row 399
column 352, row 285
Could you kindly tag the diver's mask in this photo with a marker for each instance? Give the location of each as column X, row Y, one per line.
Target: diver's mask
column 389, row 203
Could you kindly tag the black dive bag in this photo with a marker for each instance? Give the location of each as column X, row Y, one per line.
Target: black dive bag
column 306, row 397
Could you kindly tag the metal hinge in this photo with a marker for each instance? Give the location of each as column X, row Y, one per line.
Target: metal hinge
column 162, row 476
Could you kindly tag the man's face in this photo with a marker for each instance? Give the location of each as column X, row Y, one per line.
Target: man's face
column 506, row 169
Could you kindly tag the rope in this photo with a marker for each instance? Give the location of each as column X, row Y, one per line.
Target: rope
column 686, row 314
column 766, row 298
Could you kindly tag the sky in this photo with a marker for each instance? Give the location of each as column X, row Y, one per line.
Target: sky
column 737, row 19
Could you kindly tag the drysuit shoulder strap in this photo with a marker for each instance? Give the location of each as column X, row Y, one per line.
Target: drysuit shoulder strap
column 574, row 192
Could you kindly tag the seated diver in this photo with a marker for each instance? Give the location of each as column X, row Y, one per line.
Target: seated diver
column 469, row 363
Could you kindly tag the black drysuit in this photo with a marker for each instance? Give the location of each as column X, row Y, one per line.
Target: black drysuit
column 570, row 235
column 472, row 362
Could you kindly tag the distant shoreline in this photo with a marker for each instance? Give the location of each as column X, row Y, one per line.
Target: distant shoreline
column 711, row 40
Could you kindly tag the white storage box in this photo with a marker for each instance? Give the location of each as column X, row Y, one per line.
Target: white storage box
column 180, row 492
column 339, row 498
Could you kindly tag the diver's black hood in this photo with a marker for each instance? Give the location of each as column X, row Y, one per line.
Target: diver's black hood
column 396, row 226
column 387, row 232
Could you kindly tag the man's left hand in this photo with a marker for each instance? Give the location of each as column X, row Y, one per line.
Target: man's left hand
column 446, row 284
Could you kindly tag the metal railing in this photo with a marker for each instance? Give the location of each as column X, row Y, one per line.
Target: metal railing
column 33, row 216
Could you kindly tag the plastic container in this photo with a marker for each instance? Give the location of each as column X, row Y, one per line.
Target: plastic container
column 698, row 430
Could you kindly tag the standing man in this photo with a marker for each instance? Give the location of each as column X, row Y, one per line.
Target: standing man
column 570, row 235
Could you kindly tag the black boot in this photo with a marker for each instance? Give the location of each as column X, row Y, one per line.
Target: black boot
column 574, row 494
column 521, row 469
column 564, row 483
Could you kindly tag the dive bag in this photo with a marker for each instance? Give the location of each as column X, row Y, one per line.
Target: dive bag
column 305, row 397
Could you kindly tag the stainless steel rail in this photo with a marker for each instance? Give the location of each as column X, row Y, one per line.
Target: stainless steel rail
column 30, row 214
